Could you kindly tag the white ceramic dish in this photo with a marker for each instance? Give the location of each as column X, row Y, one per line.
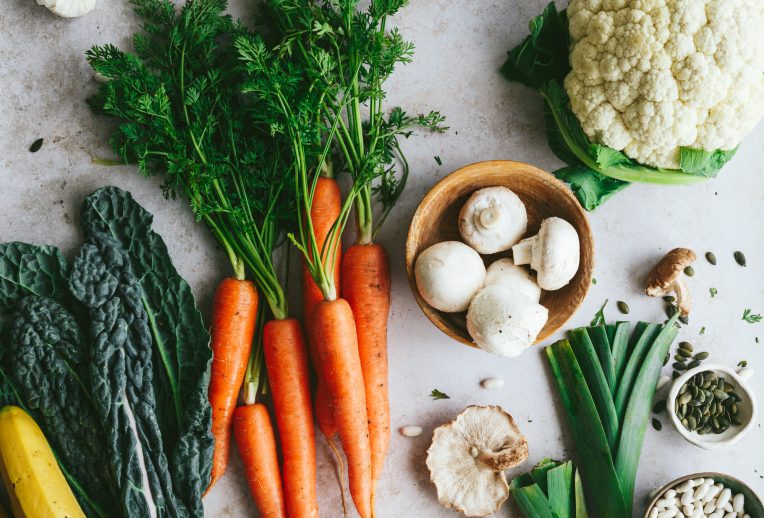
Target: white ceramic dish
column 747, row 409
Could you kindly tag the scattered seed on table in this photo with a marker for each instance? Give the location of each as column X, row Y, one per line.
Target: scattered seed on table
column 36, row 145
column 659, row 407
column 711, row 258
column 684, row 320
column 670, row 299
column 671, row 310
column 675, row 375
column 492, row 383
column 623, row 307
column 689, row 271
column 693, row 364
column 657, row 425
column 740, row 258
column 411, row 431
column 687, row 346
column 682, row 353
column 679, row 366
column 701, row 356
column 667, row 358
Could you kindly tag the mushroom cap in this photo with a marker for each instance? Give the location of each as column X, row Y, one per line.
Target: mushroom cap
column 503, row 321
column 468, row 457
column 448, row 275
column 505, row 272
column 665, row 273
column 492, row 220
column 557, row 254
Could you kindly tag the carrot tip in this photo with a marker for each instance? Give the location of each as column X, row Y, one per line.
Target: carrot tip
column 340, row 467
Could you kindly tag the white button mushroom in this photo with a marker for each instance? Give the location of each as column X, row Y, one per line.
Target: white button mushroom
column 469, row 455
column 68, row 8
column 503, row 321
column 554, row 253
column 448, row 275
column 504, row 272
column 492, row 220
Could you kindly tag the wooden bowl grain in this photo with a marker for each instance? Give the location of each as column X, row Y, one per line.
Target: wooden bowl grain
column 436, row 220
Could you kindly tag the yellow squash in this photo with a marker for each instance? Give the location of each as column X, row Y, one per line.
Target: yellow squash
column 29, row 471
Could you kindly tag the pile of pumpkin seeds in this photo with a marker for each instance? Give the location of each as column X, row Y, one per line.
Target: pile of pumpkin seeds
column 686, row 359
column 707, row 403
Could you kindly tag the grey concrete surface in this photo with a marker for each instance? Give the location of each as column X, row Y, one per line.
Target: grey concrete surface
column 44, row 80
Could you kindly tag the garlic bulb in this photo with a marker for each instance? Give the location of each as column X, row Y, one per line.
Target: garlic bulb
column 68, row 8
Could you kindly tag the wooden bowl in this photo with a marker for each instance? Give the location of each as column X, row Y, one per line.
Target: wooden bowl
column 436, row 220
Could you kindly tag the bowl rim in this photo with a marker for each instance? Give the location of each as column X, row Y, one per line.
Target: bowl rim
column 699, row 440
column 703, row 474
column 434, row 191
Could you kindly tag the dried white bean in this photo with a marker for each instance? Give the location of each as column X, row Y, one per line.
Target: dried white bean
column 668, row 513
column 688, row 509
column 738, row 503
column 665, row 503
column 700, row 492
column 710, row 507
column 411, row 431
column 654, row 512
column 685, row 486
column 670, row 494
column 715, row 515
column 728, row 507
column 698, row 513
column 724, row 497
column 492, row 383
column 713, row 492
column 730, row 515
column 687, row 498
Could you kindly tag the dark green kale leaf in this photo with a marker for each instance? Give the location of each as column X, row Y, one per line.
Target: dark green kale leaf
column 30, row 270
column 181, row 351
column 122, row 377
column 49, row 365
column 543, row 55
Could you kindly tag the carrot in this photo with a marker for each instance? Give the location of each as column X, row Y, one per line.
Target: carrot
column 257, row 447
column 286, row 359
column 366, row 287
column 324, row 211
column 233, row 326
column 335, row 333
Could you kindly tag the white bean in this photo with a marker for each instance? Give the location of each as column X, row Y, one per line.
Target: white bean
column 700, row 492
column 688, row 509
column 685, row 486
column 668, row 513
column 665, row 503
column 492, row 383
column 654, row 512
column 715, row 515
column 730, row 515
column 738, row 503
column 411, row 431
column 724, row 498
column 713, row 491
column 728, row 507
column 670, row 494
column 687, row 498
column 698, row 513
column 710, row 507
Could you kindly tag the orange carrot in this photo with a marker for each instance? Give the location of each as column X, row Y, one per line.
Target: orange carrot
column 233, row 325
column 286, row 359
column 366, row 287
column 257, row 447
column 324, row 211
column 335, row 334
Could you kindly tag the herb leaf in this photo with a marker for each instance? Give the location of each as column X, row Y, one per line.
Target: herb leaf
column 437, row 394
column 713, row 292
column 750, row 317
column 599, row 316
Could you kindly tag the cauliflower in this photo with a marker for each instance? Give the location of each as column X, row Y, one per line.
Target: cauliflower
column 649, row 77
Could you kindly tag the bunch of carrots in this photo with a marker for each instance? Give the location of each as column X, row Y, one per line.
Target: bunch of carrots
column 253, row 128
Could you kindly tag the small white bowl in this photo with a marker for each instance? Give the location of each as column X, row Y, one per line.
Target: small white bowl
column 747, row 409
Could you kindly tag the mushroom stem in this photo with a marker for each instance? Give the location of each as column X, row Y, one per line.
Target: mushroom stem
column 522, row 252
column 683, row 301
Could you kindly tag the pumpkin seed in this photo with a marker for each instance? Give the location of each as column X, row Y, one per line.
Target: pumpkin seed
column 686, row 424
column 736, row 420
column 689, row 271
column 36, row 145
column 720, row 394
column 683, row 389
column 728, row 387
column 701, row 356
column 693, row 364
column 740, row 258
column 659, row 407
column 687, row 346
column 694, row 402
column 623, row 307
column 675, row 375
column 685, row 320
column 684, row 398
column 692, row 422
column 671, row 310
column 666, row 359
column 679, row 366
column 670, row 299
column 733, row 409
column 657, row 425
column 711, row 258
column 684, row 353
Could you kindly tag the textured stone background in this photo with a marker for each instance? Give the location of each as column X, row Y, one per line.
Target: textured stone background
column 460, row 45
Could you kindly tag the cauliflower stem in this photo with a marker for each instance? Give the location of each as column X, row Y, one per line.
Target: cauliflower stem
column 603, row 155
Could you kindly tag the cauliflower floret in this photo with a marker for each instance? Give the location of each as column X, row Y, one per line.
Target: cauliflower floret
column 651, row 76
